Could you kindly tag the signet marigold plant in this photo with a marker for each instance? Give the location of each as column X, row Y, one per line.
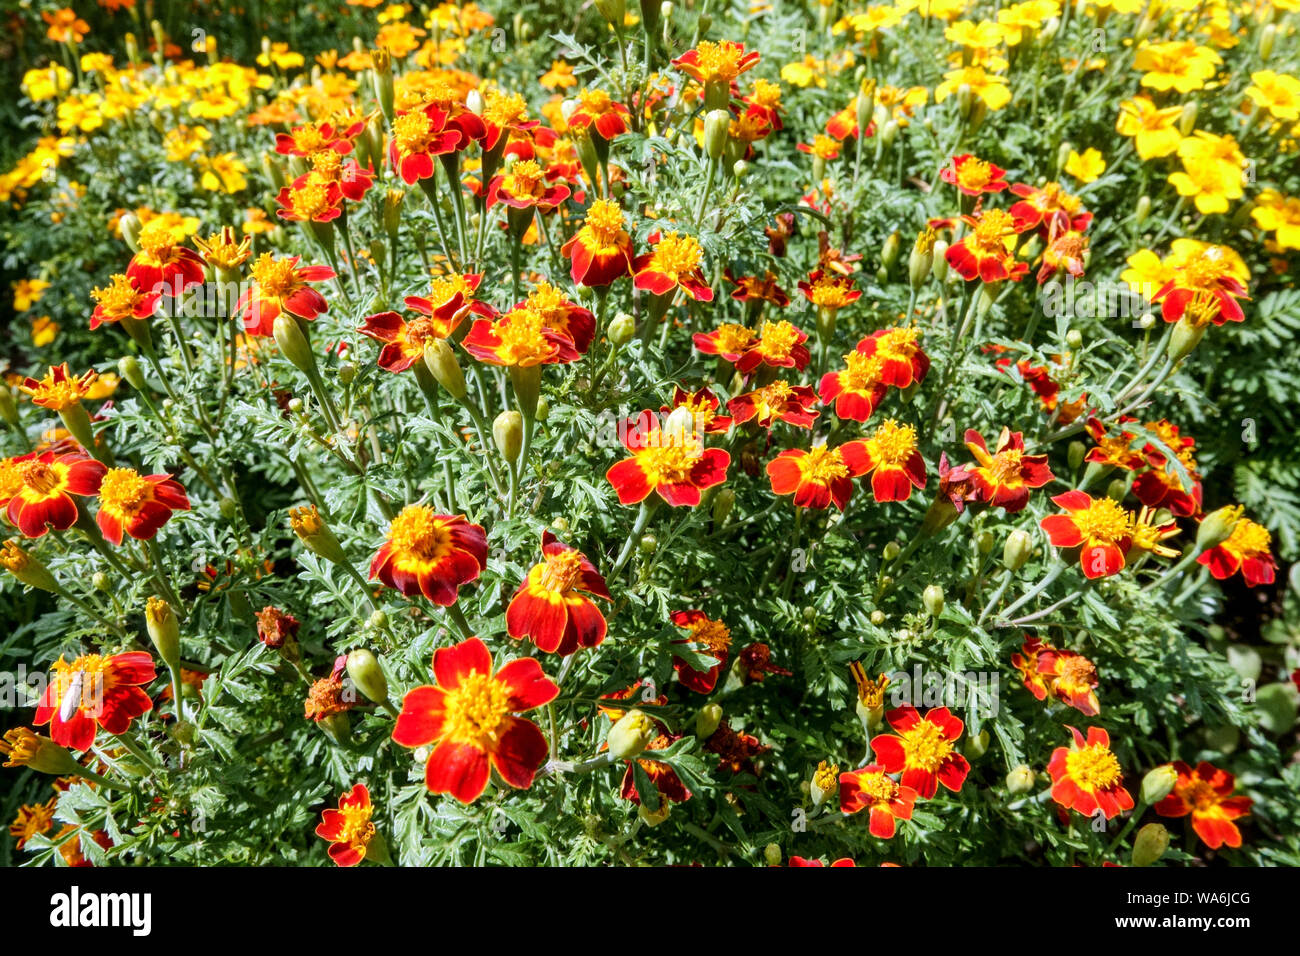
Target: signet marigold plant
column 482, row 434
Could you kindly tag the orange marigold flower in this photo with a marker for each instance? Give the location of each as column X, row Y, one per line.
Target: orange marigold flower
column 672, row 264
column 974, row 176
column 64, row 26
column 823, row 147
column 1162, row 485
column 819, row 476
column 280, row 285
column 1003, row 478
column 404, row 341
column 94, row 691
column 551, row 606
column 780, row 345
column 597, row 110
column 779, row 401
column 718, row 63
column 1087, row 777
column 520, row 338
column 987, row 252
column 1208, row 271
column 275, row 628
column 1206, row 794
column 1247, row 550
column 430, row 554
column 32, row 820
column 710, row 643
column 671, row 462
column 310, row 198
column 757, row 290
column 121, row 299
column 469, row 718
column 1026, row 661
column 315, row 137
column 600, row 251
column 857, row 389
column 58, row 390
column 224, row 249
column 40, row 489
column 1115, row 451
column 893, row 460
column 1071, row 678
column 1049, row 209
column 874, row 790
column 703, row 406
column 1101, row 528
column 902, row 362
column 924, row 750
column 728, row 341
column 829, row 290
column 162, row 265
column 137, row 504
column 349, row 829
column 421, row 134
column 524, row 186
column 328, row 697
column 754, row 663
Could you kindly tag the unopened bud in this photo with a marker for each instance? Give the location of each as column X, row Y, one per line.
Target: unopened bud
column 891, row 551
column 707, row 721
column 825, row 782
column 1184, row 338
column 1017, row 549
column 1217, row 527
column 621, row 329
column 1187, row 119
column 630, row 735
column 508, row 433
column 940, row 269
column 1020, row 780
column 26, row 567
column 164, row 631
column 367, row 675
column 293, row 342
column 1150, row 844
column 933, row 599
column 772, row 855
column 723, row 502
column 8, row 407
column 129, row 368
column 716, row 125
column 891, row 249
column 1158, row 784
column 1142, row 210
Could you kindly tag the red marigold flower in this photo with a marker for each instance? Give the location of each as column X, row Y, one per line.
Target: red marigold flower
column 275, row 628
column 673, row 263
column 974, row 176
column 703, row 406
column 779, row 401
column 779, row 345
column 1071, row 678
column 600, row 251
column 597, row 110
column 518, row 338
column 524, row 186
column 627, row 693
column 121, row 299
column 987, row 252
column 708, row 637
column 137, row 504
column 551, row 606
column 505, row 115
column 470, row 719
column 1247, row 550
column 1086, row 777
column 430, row 554
column 893, row 460
column 162, row 265
column 820, row 476
column 829, row 290
column 1208, row 272
column 857, row 389
column 314, row 137
column 1026, row 661
column 40, row 489
column 349, row 828
column 902, row 362
column 754, row 663
column 672, row 462
column 443, row 289
column 1048, row 390
column 404, row 341
column 418, row 136
column 1206, row 794
column 94, row 691
column 755, row 289
column 1162, row 486
column 280, row 285
column 872, row 789
column 1101, row 528
column 1049, row 209
column 309, row 198
column 800, row 861
column 661, row 774
column 1115, row 451
column 923, row 751
column 735, row 750
column 1004, row 478
column 717, row 63
column 728, row 341
column 564, row 316
column 58, row 390
column 1064, row 253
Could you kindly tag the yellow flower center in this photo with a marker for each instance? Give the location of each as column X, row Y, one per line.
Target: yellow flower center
column 974, row 174
column 863, row 370
column 1104, row 520
column 443, row 288
column 830, row 293
column 306, row 522
column 1249, row 538
column 926, row 746
column 718, row 62
column 605, row 220
column 878, row 786
column 311, row 199
column 993, row 228
column 417, row 532
column 523, row 341
column 1093, row 767
column 123, row 490
column 156, row 240
column 1006, row 465
column 58, row 395
column 275, row 278
column 714, row 635
column 778, row 338
column 92, row 671
column 357, row 827
column 40, row 477
column 893, row 443
column 823, row 465
column 524, row 177
column 733, row 339
column 308, row 139
column 561, row 571
column 504, row 109
column 327, row 164
column 677, row 256
column 412, row 131
column 475, row 711
column 118, row 298
column 826, row 776
column 548, row 302
column 594, row 101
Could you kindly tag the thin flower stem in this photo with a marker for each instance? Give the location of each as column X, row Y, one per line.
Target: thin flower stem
column 638, row 528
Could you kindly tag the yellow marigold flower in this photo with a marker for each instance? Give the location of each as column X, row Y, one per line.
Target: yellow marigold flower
column 1146, row 272
column 1274, row 212
column 974, row 36
column 281, row 55
column 559, row 76
column 223, row 250
column 870, row 21
column 1020, row 21
column 223, row 173
column 989, row 87
column 44, row 330
column 1154, row 131
column 1278, row 93
column 47, row 82
column 1087, row 167
column 1179, row 65
column 27, row 292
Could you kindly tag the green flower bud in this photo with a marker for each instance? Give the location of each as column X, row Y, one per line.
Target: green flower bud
column 891, row 551
column 648, row 544
column 978, row 745
column 707, row 721
column 8, row 407
column 1217, row 527
column 543, row 408
column 621, row 329
column 1020, row 780
column 1158, row 784
column 888, row 134
column 378, row 619
column 24, row 748
column 164, row 630
column 933, row 599
column 508, row 433
column 985, row 542
column 772, row 855
column 723, row 502
column 877, row 617
column 1184, row 339
column 630, row 735
column 368, row 676
column 1117, row 489
column 1074, row 339
column 890, row 251
column 101, row 582
column 1267, row 37
column 1143, row 209
column 612, row 10
column 293, row 342
column 717, row 122
column 129, row 225
column 1150, row 844
column 1187, row 119
column 940, row 268
column 441, row 362
column 26, row 567
column 1017, row 550
column 1075, row 454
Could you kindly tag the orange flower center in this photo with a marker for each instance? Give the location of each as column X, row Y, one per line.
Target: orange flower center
column 311, row 199
column 1104, row 520
column 1199, row 794
column 275, row 278
column 40, row 477
column 561, row 571
column 718, row 62
column 357, row 827
column 974, row 174
column 863, row 370
column 412, row 131
column 417, row 532
column 475, row 710
column 714, row 635
column 524, row 177
column 124, row 491
column 1093, row 767
column 1075, row 670
column 1006, row 466
column 926, row 746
